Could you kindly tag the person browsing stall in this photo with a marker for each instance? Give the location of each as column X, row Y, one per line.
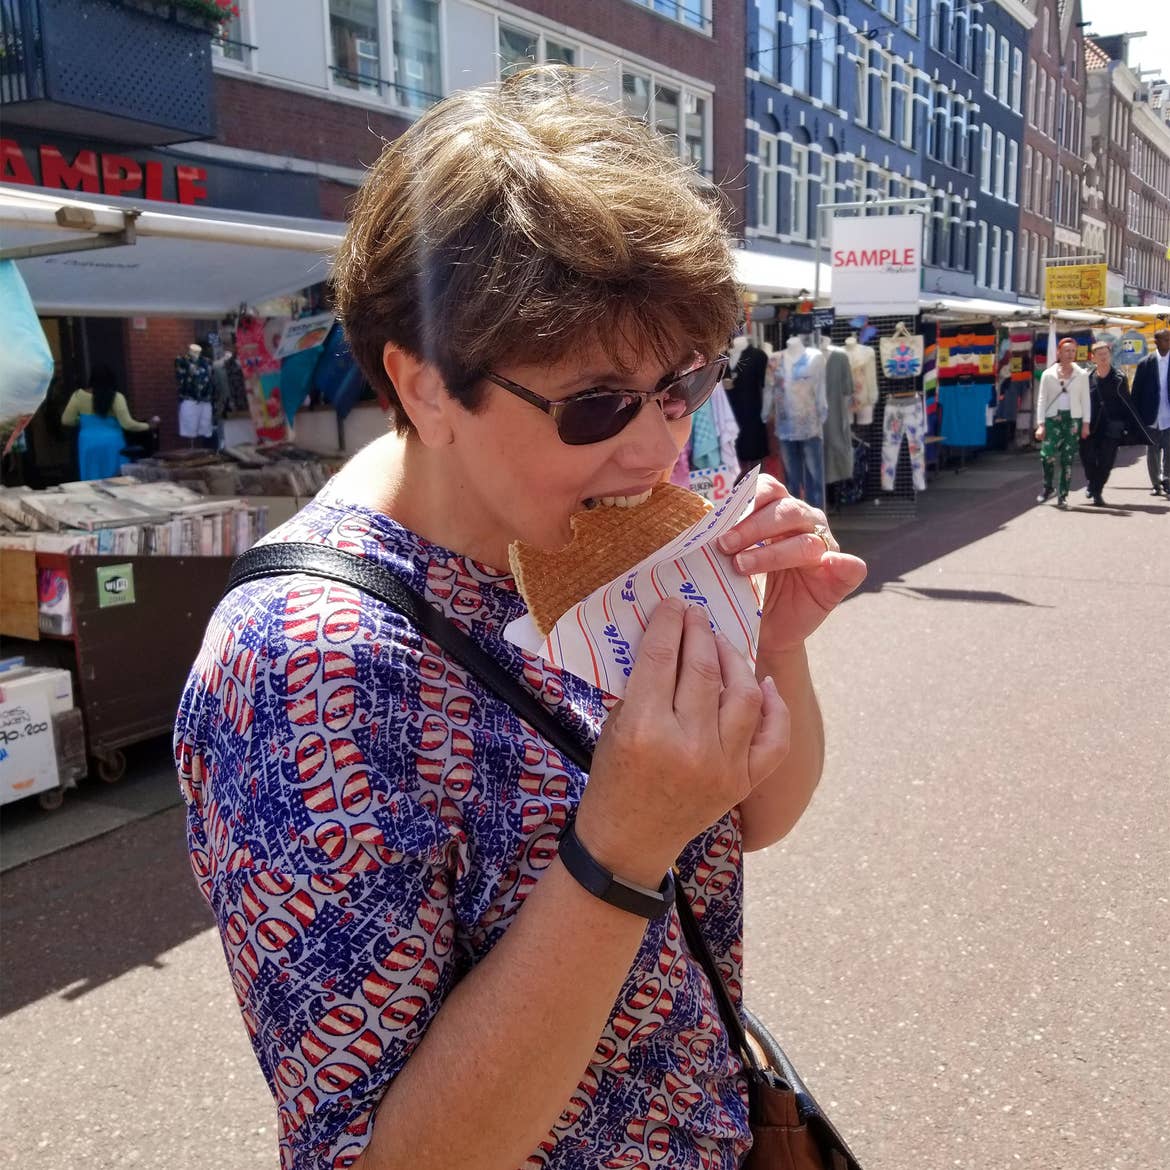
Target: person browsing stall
column 536, row 283
column 102, row 416
column 1062, row 405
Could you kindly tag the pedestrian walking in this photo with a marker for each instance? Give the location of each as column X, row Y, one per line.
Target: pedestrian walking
column 1111, row 416
column 1062, row 405
column 452, row 944
column 1151, row 399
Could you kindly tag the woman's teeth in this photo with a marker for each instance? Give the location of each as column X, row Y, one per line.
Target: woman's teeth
column 618, row 501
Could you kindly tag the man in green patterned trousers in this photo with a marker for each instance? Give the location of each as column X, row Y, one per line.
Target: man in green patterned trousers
column 1062, row 406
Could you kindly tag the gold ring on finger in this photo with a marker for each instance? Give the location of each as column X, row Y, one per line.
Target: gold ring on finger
column 822, row 530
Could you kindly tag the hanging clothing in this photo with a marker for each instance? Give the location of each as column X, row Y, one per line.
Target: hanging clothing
column 800, row 403
column 99, row 446
column 804, row 469
column 839, row 396
column 863, row 365
column 194, row 378
column 705, row 451
column 904, row 417
column 746, row 397
column 964, row 413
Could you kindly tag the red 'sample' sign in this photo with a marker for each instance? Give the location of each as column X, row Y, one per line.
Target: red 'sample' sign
column 101, row 173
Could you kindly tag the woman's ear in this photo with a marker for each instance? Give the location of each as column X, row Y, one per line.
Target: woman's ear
column 423, row 395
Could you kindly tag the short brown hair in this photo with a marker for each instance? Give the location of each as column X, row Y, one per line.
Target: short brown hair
column 1099, row 343
column 522, row 221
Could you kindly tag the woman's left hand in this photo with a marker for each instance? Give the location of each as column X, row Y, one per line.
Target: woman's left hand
column 807, row 574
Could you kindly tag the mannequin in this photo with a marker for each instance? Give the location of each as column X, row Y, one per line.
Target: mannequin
column 194, row 380
column 839, row 394
column 863, row 362
column 746, row 396
column 801, row 408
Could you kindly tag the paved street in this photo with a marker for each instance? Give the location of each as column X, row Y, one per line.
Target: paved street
column 963, row 944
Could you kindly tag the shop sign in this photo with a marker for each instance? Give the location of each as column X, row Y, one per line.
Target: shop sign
column 1074, row 286
column 115, row 585
column 818, row 321
column 94, row 168
column 877, row 263
column 101, row 173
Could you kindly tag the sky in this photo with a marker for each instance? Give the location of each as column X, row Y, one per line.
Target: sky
column 1153, row 16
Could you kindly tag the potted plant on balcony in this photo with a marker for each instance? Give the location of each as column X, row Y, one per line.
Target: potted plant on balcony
column 211, row 15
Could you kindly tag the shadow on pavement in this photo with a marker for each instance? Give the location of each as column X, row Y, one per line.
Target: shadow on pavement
column 78, row 918
column 986, row 596
column 952, row 519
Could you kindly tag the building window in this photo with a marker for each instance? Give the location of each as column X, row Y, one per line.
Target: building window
column 799, row 45
column 885, row 111
column 943, row 43
column 678, row 113
column 957, row 243
column 959, row 134
column 766, row 184
column 355, row 38
column 1017, row 80
column 1031, row 93
column 1009, row 241
column 989, row 59
column 907, row 134
column 932, row 27
column 689, row 12
column 981, row 257
column 1050, row 107
column 889, row 9
column 828, row 179
column 861, row 67
column 1026, row 178
column 985, row 159
column 828, row 60
column 1024, row 242
column 520, row 48
column 993, row 275
column 695, row 135
column 229, row 44
column 794, row 185
column 767, row 42
column 999, row 163
column 910, row 16
column 1013, row 158
column 1004, row 79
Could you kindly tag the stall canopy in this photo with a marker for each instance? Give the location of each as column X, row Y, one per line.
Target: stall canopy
column 779, row 276
column 183, row 261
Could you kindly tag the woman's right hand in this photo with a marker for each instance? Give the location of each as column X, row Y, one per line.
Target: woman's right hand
column 694, row 735
column 1040, row 433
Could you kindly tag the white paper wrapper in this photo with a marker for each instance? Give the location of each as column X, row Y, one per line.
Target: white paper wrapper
column 598, row 639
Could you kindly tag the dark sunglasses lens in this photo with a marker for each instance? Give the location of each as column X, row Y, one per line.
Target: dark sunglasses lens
column 692, row 390
column 592, row 420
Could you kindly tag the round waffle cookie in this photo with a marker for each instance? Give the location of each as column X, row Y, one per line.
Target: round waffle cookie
column 606, row 542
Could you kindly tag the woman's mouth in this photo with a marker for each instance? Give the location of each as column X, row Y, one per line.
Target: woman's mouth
column 620, row 501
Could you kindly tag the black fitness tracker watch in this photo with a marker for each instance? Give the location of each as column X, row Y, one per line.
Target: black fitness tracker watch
column 589, row 873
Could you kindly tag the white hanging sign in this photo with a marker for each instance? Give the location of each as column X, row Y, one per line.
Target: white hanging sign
column 877, row 263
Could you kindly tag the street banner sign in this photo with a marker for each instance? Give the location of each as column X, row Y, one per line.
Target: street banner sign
column 877, row 263
column 1074, row 286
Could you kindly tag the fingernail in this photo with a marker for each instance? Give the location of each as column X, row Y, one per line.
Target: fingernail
column 725, row 543
column 745, row 561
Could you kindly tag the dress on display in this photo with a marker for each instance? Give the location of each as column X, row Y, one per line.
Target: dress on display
column 746, row 397
column 839, row 396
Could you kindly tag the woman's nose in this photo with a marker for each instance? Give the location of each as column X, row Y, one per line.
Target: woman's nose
column 651, row 440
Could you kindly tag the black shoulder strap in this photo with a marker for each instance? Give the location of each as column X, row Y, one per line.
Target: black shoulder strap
column 315, row 560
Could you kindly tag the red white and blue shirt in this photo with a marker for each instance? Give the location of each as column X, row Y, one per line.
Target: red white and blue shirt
column 365, row 820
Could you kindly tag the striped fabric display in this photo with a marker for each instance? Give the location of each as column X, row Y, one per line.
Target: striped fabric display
column 598, row 639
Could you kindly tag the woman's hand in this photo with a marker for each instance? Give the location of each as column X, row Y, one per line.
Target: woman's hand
column 1040, row 433
column 807, row 574
column 694, row 735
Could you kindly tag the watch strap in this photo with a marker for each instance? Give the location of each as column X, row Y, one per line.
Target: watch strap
column 591, row 875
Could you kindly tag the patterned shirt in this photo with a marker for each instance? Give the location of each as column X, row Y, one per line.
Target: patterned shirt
column 365, row 821
column 801, row 404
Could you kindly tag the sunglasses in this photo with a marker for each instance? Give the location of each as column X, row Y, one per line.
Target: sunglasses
column 594, row 415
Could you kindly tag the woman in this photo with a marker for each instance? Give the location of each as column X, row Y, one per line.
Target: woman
column 103, row 416
column 1111, row 412
column 424, row 982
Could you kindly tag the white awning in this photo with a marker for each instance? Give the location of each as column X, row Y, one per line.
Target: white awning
column 186, row 261
column 779, row 276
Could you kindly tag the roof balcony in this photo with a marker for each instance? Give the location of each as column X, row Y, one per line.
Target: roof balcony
column 126, row 71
